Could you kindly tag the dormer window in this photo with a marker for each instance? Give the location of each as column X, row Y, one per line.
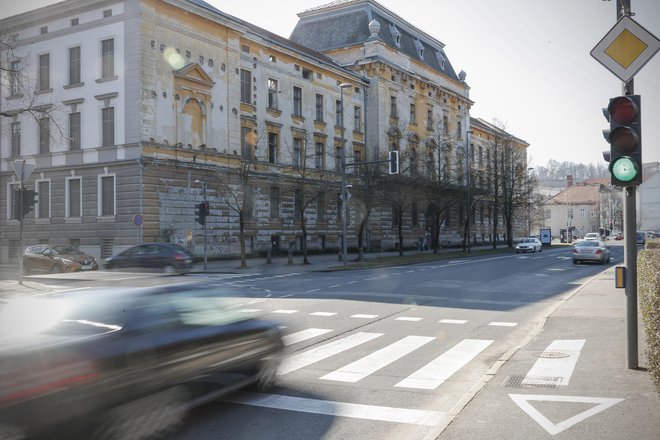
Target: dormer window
column 441, row 59
column 396, row 35
column 420, row 48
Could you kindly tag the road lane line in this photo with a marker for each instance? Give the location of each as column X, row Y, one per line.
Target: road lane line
column 317, row 354
column 360, row 316
column 503, row 324
column 430, row 376
column 373, row 362
column 452, row 321
column 303, row 335
column 323, row 314
column 547, row 370
column 338, row 409
column 408, row 318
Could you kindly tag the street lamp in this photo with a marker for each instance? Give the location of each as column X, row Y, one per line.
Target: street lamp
column 529, row 202
column 343, row 196
column 204, row 225
column 469, row 202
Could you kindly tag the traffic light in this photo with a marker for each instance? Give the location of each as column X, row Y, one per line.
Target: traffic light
column 200, row 213
column 394, row 162
column 625, row 138
column 206, row 207
column 29, row 200
column 17, row 205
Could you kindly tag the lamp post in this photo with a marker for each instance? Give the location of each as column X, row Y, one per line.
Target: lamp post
column 468, row 163
column 204, row 226
column 344, row 205
column 529, row 202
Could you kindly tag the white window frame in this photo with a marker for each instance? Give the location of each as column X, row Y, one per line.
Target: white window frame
column 67, row 204
column 99, row 195
column 37, row 206
column 11, row 187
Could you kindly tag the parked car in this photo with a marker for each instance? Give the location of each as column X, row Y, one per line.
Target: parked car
column 530, row 244
column 163, row 257
column 56, row 259
column 641, row 238
column 589, row 250
column 113, row 363
column 592, row 236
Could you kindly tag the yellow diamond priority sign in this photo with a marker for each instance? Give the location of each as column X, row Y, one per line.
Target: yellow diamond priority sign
column 626, row 48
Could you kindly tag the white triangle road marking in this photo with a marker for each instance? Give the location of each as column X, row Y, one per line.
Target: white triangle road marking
column 522, row 400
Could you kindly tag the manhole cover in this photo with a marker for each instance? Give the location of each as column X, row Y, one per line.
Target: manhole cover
column 532, row 382
column 553, row 355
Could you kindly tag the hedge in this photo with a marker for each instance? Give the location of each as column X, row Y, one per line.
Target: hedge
column 648, row 288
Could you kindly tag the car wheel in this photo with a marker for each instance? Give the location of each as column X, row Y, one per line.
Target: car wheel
column 169, row 269
column 150, row 416
column 267, row 375
column 55, row 268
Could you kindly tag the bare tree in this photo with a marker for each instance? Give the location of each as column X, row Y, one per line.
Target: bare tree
column 367, row 198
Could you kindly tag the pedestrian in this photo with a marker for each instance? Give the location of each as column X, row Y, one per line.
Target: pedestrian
column 420, row 249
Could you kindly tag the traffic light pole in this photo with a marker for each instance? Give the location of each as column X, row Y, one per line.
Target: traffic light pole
column 20, row 237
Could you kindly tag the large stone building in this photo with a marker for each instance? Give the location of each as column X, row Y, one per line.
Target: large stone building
column 145, row 107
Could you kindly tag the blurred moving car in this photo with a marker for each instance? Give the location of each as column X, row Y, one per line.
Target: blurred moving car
column 57, row 259
column 596, row 251
column 113, row 363
column 163, row 257
column 530, row 244
column 592, row 236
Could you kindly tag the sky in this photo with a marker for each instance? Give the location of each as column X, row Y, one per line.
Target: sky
column 528, row 63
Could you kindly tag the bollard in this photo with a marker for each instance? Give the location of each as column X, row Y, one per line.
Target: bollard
column 290, row 252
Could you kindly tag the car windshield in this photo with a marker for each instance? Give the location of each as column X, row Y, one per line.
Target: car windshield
column 67, row 250
column 588, row 244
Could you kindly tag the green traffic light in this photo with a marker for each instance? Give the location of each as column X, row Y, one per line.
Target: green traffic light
column 624, row 169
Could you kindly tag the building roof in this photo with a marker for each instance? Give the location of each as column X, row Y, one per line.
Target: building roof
column 345, row 23
column 578, row 195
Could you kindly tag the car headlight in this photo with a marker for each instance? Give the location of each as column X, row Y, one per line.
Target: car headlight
column 66, row 261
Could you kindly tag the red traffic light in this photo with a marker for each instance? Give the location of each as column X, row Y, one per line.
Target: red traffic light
column 623, row 110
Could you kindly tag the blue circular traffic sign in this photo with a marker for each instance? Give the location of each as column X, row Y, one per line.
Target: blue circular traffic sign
column 138, row 220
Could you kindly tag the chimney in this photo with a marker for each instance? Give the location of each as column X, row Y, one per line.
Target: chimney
column 569, row 181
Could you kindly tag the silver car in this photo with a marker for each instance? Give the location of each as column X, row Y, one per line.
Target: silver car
column 596, row 251
column 530, row 244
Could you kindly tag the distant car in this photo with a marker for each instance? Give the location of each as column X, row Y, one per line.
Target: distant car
column 530, row 244
column 121, row 363
column 592, row 236
column 641, row 238
column 596, row 251
column 618, row 237
column 162, row 257
column 56, row 259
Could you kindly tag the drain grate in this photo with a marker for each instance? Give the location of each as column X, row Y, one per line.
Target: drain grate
column 532, row 382
column 553, row 355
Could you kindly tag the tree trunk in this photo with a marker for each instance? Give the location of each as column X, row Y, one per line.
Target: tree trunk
column 400, row 215
column 241, row 237
column 303, row 227
column 360, row 239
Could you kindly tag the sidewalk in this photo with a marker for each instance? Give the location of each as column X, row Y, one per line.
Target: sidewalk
column 569, row 381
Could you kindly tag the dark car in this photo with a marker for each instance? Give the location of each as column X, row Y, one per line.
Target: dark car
column 108, row 363
column 640, row 238
column 57, row 259
column 163, row 257
column 589, row 250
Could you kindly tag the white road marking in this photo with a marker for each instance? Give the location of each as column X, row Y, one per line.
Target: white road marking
column 360, row 316
column 249, row 310
column 430, row 376
column 317, row 354
column 452, row 321
column 522, row 400
column 547, row 370
column 362, row 368
column 313, row 290
column 323, row 314
column 408, row 318
column 352, row 282
column 334, row 286
column 503, row 324
column 338, row 409
column 303, row 335
column 285, row 312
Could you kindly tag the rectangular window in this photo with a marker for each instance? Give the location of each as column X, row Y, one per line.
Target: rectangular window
column 74, row 65
column 307, row 74
column 296, row 155
column 107, row 193
column 15, row 139
column 459, row 129
column 548, row 214
column 246, row 86
column 297, row 202
column 14, row 78
column 357, row 119
column 44, row 135
column 297, row 101
column 272, row 93
column 429, row 119
column 44, row 72
column 75, row 21
column 246, row 148
column 319, row 156
column 414, row 214
column 108, row 126
column 338, row 113
column 108, row 58
column 583, row 212
column 445, row 124
column 338, row 158
column 319, row 107
column 273, row 142
column 394, row 112
column 74, row 131
column 43, row 202
column 107, row 13
column 73, row 204
column 12, row 201
column 320, row 205
column 274, row 202
column 413, row 116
